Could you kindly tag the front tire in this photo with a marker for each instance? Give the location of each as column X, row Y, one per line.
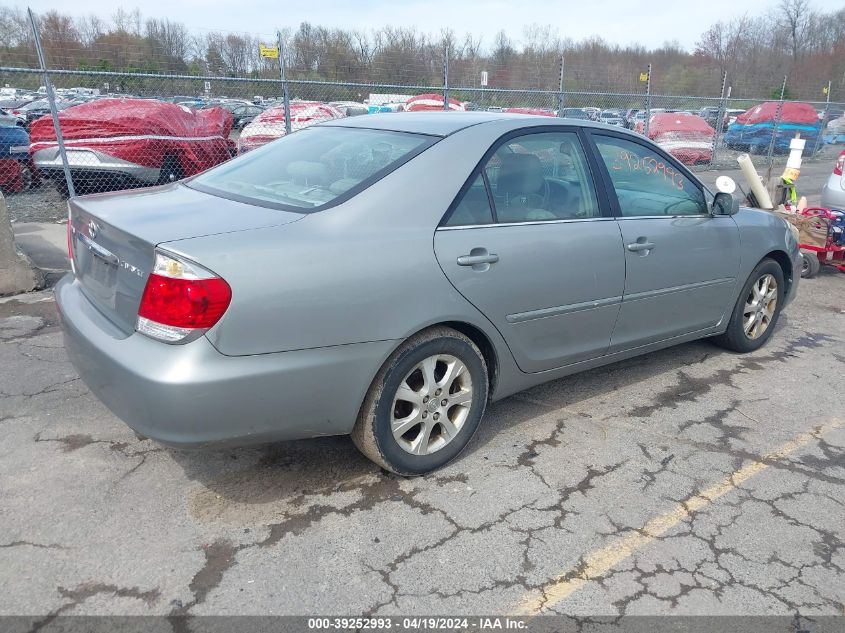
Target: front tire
column 425, row 404
column 757, row 310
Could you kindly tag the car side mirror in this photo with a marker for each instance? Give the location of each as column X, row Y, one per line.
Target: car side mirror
column 724, row 204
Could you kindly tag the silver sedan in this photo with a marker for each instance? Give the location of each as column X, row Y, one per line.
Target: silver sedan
column 388, row 276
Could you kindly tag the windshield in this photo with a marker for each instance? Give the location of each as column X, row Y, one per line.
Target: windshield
column 312, row 168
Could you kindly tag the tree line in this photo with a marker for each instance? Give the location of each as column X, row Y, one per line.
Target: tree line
column 756, row 51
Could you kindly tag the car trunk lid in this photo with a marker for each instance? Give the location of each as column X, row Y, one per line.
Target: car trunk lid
column 113, row 238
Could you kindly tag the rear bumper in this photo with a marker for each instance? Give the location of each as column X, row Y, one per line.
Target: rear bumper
column 191, row 395
column 92, row 163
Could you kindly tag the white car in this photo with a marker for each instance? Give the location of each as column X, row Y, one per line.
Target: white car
column 611, row 118
column 833, row 192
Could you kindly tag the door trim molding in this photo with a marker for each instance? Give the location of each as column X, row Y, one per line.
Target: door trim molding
column 649, row 294
column 544, row 313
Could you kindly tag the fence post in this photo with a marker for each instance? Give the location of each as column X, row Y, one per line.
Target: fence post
column 51, row 98
column 771, row 153
column 446, row 78
column 285, row 94
column 720, row 118
column 647, row 102
column 825, row 119
column 560, row 89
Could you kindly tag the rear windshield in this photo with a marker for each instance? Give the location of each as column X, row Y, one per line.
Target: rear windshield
column 313, row 168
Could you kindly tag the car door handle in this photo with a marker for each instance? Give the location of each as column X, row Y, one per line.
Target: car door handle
column 473, row 260
column 640, row 246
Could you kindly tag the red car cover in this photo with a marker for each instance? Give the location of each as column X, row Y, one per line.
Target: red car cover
column 432, row 101
column 688, row 137
column 793, row 111
column 142, row 131
column 531, row 111
column 270, row 124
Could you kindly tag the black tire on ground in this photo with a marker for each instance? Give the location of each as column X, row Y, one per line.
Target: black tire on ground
column 373, row 434
column 810, row 264
column 61, row 187
column 170, row 171
column 735, row 338
column 26, row 176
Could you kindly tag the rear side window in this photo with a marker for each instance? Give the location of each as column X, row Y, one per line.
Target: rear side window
column 474, row 206
column 313, row 168
column 646, row 184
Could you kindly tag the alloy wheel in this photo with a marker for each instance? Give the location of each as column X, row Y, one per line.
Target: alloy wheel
column 431, row 404
column 760, row 306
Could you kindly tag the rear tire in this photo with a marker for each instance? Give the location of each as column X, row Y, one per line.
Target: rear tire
column 425, row 404
column 757, row 309
column 810, row 264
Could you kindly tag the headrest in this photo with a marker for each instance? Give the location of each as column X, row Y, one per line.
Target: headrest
column 520, row 175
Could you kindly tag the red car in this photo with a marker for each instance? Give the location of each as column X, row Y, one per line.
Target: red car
column 114, row 143
column 688, row 137
column 270, row 124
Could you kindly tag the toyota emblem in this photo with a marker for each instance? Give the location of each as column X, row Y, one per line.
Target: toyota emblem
column 93, row 229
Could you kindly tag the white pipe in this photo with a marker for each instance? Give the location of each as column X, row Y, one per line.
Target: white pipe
column 752, row 179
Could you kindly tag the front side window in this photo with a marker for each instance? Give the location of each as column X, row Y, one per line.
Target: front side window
column 647, row 184
column 311, row 168
column 541, row 177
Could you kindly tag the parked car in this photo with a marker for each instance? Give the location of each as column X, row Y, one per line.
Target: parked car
column 349, row 108
column 37, row 109
column 833, row 192
column 12, row 108
column 711, row 115
column 610, row 118
column 117, row 143
column 388, row 276
column 244, row 115
column 16, row 170
column 831, row 113
column 431, row 101
column 639, row 119
column 529, row 111
column 629, row 118
column 753, row 129
column 834, row 133
column 592, row 113
column 688, row 137
column 270, row 124
column 575, row 113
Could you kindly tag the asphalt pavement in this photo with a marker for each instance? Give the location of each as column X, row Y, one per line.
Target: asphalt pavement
column 688, row 481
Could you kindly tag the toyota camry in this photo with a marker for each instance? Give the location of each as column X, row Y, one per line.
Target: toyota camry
column 389, row 276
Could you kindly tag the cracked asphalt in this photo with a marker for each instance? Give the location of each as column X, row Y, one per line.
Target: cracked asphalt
column 688, row 481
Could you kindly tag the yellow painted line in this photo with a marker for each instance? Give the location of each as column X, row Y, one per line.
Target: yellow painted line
column 597, row 563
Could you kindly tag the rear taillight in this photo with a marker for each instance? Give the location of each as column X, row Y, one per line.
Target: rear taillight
column 181, row 299
column 839, row 165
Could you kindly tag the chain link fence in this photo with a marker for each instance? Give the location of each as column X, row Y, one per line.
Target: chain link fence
column 90, row 130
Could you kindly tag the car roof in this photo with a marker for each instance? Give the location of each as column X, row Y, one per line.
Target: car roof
column 446, row 123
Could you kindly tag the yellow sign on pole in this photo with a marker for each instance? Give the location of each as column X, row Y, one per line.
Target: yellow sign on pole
column 825, row 90
column 270, row 52
column 643, row 76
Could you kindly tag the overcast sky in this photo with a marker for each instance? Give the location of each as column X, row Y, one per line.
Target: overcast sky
column 617, row 21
